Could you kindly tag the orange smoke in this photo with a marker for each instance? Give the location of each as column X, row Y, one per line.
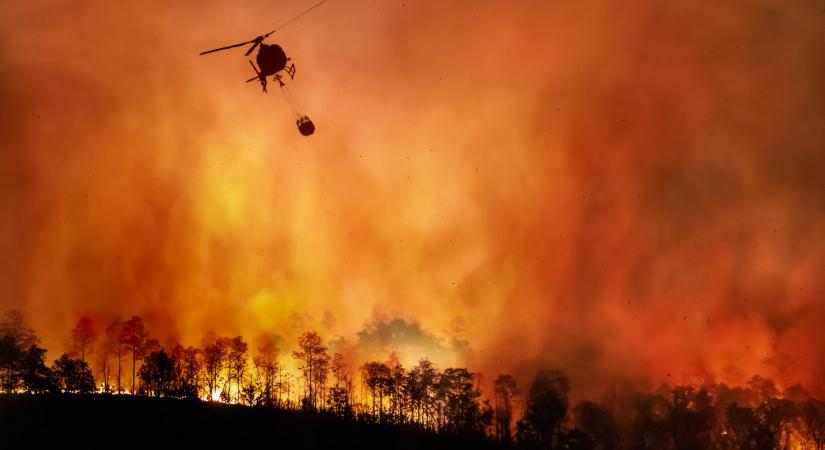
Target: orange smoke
column 630, row 192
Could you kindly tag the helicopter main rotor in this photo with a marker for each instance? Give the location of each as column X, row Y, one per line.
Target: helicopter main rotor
column 257, row 41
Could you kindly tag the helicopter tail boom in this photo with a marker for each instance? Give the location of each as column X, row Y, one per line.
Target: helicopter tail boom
column 257, row 76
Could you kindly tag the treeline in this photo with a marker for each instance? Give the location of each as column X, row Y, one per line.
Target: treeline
column 711, row 416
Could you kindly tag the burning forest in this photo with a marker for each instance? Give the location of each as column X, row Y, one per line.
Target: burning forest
column 447, row 401
column 540, row 223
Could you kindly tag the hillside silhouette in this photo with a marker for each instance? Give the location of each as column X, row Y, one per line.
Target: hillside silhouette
column 99, row 420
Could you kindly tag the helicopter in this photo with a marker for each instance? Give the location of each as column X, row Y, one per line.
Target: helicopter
column 272, row 61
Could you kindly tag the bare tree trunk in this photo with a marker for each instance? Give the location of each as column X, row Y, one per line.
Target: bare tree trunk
column 134, row 358
column 106, row 372
column 309, row 363
column 119, row 357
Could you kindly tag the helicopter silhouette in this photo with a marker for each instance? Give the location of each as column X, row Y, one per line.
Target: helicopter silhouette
column 272, row 60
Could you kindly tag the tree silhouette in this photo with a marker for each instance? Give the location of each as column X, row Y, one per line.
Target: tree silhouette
column 462, row 412
column 15, row 339
column 650, row 426
column 22, row 361
column 74, row 375
column 314, row 365
column 226, row 367
column 285, row 388
column 236, row 363
column 14, row 325
column 133, row 337
column 83, row 337
column 340, row 395
column 11, row 356
column 213, row 354
column 321, row 375
column 774, row 416
column 187, row 382
column 395, row 388
column 376, row 375
column 598, row 422
column 812, row 414
column 116, row 346
column 742, row 428
column 546, row 409
column 158, row 374
column 421, row 390
column 691, row 417
column 267, row 369
column 251, row 390
column 765, row 426
column 37, row 378
column 505, row 389
column 762, row 389
column 445, row 401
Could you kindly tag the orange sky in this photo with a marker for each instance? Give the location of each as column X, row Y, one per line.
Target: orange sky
column 630, row 191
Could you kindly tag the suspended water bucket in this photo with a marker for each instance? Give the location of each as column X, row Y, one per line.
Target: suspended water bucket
column 305, row 126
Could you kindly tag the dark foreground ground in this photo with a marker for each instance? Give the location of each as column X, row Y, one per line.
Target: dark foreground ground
column 114, row 422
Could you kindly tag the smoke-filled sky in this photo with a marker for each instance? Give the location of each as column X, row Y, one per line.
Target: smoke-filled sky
column 629, row 191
